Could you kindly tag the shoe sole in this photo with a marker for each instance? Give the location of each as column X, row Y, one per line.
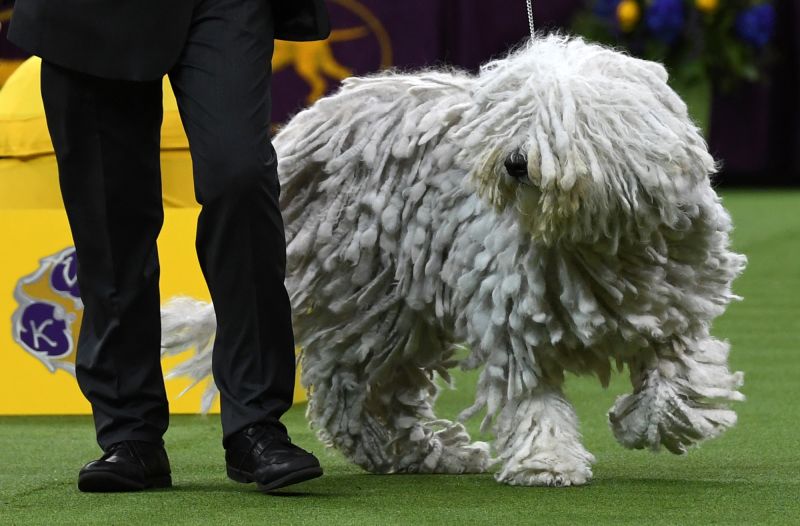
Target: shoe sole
column 295, row 477
column 108, row 482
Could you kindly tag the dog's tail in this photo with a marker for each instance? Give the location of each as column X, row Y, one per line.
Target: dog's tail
column 188, row 324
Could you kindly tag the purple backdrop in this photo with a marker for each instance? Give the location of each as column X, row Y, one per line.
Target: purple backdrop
column 420, row 33
column 755, row 130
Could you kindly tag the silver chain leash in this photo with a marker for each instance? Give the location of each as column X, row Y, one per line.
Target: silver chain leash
column 530, row 18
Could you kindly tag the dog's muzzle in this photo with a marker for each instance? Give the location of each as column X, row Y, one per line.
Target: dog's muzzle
column 517, row 166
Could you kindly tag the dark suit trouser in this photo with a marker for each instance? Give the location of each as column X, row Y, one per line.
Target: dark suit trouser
column 106, row 137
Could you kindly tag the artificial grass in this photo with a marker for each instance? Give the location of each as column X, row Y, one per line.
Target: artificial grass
column 748, row 476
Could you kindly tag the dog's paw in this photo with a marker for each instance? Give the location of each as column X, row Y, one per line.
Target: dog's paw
column 549, row 466
column 455, row 459
column 470, row 458
column 666, row 414
column 546, row 476
column 447, row 450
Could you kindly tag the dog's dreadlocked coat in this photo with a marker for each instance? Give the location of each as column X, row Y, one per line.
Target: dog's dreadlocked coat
column 553, row 213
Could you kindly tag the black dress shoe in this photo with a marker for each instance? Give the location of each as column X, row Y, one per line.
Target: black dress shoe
column 264, row 454
column 127, row 466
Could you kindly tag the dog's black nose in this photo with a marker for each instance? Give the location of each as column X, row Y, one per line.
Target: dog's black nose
column 517, row 165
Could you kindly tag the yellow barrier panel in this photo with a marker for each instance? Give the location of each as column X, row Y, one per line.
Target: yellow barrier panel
column 35, row 239
column 26, row 385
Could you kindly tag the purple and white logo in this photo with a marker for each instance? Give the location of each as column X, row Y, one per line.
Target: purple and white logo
column 47, row 318
column 64, row 278
column 43, row 329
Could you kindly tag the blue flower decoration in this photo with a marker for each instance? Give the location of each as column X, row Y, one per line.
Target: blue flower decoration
column 756, row 25
column 665, row 19
column 606, row 8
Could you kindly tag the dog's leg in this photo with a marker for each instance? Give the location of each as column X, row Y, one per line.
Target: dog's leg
column 337, row 409
column 679, row 397
column 421, row 442
column 389, row 426
column 539, row 443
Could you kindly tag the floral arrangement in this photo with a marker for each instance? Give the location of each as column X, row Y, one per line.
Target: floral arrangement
column 727, row 40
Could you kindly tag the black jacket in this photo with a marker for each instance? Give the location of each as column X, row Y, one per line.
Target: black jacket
column 134, row 39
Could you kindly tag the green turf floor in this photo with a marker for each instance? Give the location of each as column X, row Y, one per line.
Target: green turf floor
column 749, row 476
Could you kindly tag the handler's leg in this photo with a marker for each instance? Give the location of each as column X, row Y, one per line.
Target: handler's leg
column 222, row 83
column 106, row 137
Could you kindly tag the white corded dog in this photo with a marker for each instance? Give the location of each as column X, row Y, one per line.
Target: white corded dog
column 553, row 213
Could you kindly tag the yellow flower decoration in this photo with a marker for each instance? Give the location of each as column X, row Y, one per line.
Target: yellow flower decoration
column 628, row 14
column 706, row 6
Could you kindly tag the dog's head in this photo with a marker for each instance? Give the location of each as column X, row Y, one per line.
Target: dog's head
column 582, row 142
